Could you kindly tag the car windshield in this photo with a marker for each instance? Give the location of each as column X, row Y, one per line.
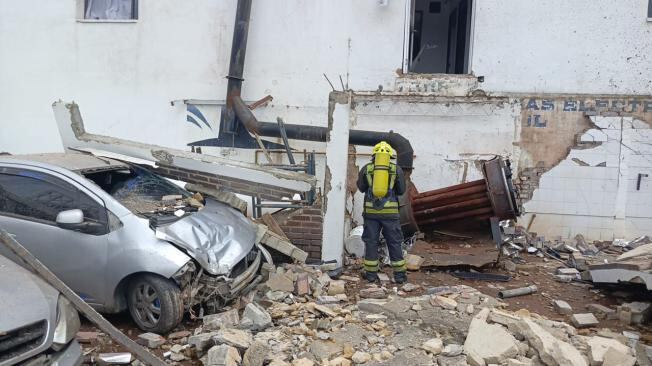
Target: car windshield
column 143, row 192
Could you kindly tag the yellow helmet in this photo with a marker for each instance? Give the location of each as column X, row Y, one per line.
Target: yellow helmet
column 384, row 147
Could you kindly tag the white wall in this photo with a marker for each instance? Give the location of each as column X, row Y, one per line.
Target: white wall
column 561, row 46
column 448, row 138
column 124, row 75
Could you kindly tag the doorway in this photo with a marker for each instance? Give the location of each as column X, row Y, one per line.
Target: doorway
column 440, row 32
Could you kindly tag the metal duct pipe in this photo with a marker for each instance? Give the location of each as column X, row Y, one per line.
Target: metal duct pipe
column 404, row 151
column 236, row 65
column 505, row 294
column 492, row 196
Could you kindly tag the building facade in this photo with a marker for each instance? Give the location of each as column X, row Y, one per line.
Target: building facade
column 563, row 89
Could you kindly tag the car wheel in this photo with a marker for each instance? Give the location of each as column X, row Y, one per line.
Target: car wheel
column 155, row 303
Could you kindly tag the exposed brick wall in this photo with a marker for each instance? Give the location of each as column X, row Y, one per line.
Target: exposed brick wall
column 304, row 227
column 228, row 184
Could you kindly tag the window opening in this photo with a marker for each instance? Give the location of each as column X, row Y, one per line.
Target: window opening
column 440, row 36
column 111, row 9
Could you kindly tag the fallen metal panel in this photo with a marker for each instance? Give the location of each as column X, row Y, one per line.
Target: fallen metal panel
column 74, row 136
column 618, row 273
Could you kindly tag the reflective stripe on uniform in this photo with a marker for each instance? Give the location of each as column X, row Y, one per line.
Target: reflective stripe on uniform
column 390, row 207
column 384, row 211
column 387, row 204
column 399, row 266
column 370, row 266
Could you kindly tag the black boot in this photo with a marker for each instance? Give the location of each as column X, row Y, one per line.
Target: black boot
column 400, row 277
column 371, row 276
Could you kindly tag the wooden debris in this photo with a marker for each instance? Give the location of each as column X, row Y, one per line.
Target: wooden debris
column 273, row 225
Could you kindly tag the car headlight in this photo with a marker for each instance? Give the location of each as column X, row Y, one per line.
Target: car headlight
column 67, row 323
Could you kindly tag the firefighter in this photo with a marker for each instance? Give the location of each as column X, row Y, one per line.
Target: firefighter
column 382, row 182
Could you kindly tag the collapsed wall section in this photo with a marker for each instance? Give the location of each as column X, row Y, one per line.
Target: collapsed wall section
column 228, row 184
column 304, row 228
column 574, row 174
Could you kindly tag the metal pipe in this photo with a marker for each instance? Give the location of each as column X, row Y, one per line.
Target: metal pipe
column 405, row 153
column 236, row 64
column 505, row 294
column 479, row 182
column 435, row 198
column 456, row 216
column 451, row 200
column 478, row 202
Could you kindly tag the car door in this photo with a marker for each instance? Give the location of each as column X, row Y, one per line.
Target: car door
column 30, row 200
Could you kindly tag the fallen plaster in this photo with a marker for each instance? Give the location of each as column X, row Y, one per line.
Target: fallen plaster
column 74, row 136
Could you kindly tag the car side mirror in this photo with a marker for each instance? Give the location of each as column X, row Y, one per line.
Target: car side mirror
column 70, row 219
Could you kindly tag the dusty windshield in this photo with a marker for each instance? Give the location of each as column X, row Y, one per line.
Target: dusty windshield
column 143, row 192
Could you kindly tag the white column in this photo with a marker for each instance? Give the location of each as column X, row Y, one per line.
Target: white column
column 334, row 205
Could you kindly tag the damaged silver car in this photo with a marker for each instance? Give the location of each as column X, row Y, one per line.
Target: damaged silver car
column 124, row 238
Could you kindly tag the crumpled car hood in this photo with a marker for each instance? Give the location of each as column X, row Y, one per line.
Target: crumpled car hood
column 24, row 298
column 217, row 236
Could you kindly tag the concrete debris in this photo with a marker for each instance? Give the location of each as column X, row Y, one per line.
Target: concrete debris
column 373, row 293
column 202, row 341
column 634, row 312
column 615, row 357
column 562, row 307
column 550, row 349
column 280, row 282
column 444, row 302
column 223, row 355
column 491, row 342
column 361, row 357
column 302, row 316
column 452, row 350
column 256, row 354
column 383, row 277
column 218, row 321
column 434, row 346
column 237, row 338
column 225, row 197
column 179, row 335
column 413, row 262
column 336, row 287
column 584, row 320
column 255, row 317
column 601, row 311
column 598, row 346
column 275, row 241
column 150, row 340
column 409, row 287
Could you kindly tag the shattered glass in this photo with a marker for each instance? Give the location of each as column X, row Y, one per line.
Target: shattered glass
column 142, row 192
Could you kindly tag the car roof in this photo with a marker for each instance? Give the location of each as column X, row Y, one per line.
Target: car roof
column 80, row 163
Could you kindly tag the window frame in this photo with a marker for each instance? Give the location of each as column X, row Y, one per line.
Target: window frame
column 82, row 5
column 15, row 170
column 407, row 40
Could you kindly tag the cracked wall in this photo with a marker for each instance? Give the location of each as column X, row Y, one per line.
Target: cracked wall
column 595, row 189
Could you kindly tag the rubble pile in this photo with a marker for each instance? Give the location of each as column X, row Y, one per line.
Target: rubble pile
column 302, row 316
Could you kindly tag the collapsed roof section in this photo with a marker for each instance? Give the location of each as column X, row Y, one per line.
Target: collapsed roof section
column 75, row 137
